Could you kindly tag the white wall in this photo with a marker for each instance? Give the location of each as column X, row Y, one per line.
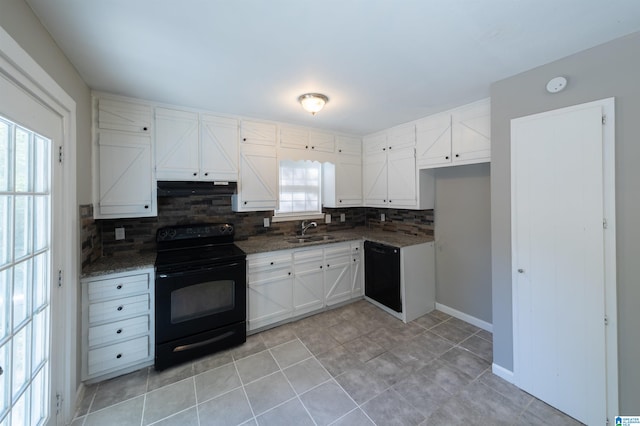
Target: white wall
column 609, row 70
column 463, row 239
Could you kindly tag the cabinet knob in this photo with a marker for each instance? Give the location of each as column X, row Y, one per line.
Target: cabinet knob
column 340, row 201
column 289, row 273
column 245, row 203
column 521, row 271
column 384, row 201
column 390, row 201
column 119, row 356
column 244, row 139
column 271, row 263
column 313, row 147
column 119, row 287
column 146, row 206
column 195, row 173
column 206, row 173
column 389, row 147
column 118, row 331
column 457, row 155
column 145, row 128
column 446, row 158
column 339, row 150
column 320, row 266
column 120, row 307
column 384, row 149
column 306, row 147
column 328, row 265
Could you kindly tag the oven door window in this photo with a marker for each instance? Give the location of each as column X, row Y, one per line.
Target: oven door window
column 201, row 300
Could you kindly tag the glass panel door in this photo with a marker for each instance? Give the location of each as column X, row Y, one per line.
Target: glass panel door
column 25, row 237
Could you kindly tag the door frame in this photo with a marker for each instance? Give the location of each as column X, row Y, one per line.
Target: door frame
column 19, row 67
column 609, row 224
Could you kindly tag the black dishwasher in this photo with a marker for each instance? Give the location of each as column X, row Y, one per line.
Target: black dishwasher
column 382, row 274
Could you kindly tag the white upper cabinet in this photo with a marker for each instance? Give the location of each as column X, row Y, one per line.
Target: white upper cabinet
column 123, row 115
column 344, row 179
column 218, row 148
column 310, row 140
column 192, row 147
column 390, row 169
column 455, row 137
column 258, row 133
column 124, row 183
column 471, row 133
column 258, row 183
column 177, row 145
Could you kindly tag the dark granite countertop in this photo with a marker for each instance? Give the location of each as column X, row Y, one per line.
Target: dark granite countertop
column 263, row 244
column 116, row 264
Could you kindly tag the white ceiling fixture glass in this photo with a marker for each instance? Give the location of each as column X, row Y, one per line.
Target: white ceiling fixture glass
column 313, row 102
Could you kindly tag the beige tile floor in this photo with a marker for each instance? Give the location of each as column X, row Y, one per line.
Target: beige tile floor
column 354, row 365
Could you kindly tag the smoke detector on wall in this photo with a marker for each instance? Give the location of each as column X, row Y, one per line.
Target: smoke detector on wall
column 556, row 84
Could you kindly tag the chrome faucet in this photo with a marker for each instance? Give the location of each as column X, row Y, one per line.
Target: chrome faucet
column 304, row 226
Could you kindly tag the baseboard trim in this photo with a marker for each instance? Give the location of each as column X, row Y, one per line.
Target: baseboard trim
column 465, row 317
column 502, row 372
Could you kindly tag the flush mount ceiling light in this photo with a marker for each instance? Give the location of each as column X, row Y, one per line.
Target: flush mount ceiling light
column 556, row 84
column 313, row 102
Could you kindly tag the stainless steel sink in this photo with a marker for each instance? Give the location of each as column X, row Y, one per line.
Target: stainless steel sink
column 309, row 239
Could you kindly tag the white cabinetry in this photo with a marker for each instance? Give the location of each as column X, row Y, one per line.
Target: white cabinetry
column 117, row 324
column 124, row 183
column 390, row 177
column 258, row 182
column 455, row 137
column 190, row 146
column 270, row 288
column 308, row 285
column 310, row 140
column 337, row 274
column 357, row 269
column 343, row 181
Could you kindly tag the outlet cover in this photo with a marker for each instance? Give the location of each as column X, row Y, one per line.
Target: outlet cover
column 382, row 217
column 327, row 218
column 119, row 233
column 265, row 222
column 342, row 217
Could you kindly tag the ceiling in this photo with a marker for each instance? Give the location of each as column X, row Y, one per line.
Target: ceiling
column 380, row 62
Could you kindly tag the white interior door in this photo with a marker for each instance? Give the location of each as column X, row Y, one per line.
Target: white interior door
column 28, row 132
column 558, row 245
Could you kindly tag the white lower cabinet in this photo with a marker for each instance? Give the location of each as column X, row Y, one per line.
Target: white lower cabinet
column 269, row 288
column 117, row 324
column 290, row 283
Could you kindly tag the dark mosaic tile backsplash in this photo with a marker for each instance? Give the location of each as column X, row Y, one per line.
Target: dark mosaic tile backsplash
column 98, row 236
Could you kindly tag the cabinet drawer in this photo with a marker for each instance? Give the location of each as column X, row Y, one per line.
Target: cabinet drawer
column 118, row 355
column 119, row 330
column 113, row 310
column 268, row 262
column 259, row 276
column 118, row 287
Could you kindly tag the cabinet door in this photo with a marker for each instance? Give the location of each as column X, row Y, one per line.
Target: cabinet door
column 374, row 180
column 177, row 145
column 349, row 180
column 401, row 178
column 471, row 137
column 125, row 175
column 293, row 137
column 308, row 285
column 375, row 143
column 337, row 275
column 348, row 145
column 323, row 142
column 258, row 183
column 433, row 141
column 403, row 136
column 122, row 115
column 270, row 300
column 218, row 148
column 357, row 272
column 256, row 132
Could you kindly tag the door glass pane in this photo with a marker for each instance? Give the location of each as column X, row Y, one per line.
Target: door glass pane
column 5, row 156
column 25, row 277
column 4, row 379
column 20, row 359
column 22, row 229
column 5, row 296
column 21, row 281
column 22, row 160
column 5, row 229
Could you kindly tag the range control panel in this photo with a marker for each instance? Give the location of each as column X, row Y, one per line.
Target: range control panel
column 184, row 232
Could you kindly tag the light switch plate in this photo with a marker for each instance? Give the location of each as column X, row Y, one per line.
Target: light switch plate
column 342, row 217
column 327, row 218
column 119, row 233
column 382, row 217
column 265, row 222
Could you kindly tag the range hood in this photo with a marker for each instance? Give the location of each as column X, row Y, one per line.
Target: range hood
column 186, row 188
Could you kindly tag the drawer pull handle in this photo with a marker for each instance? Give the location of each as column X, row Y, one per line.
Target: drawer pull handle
column 118, row 356
column 119, row 287
column 120, row 307
column 118, row 331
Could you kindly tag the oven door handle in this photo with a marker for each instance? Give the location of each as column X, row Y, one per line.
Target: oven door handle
column 189, row 271
column 203, row 343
